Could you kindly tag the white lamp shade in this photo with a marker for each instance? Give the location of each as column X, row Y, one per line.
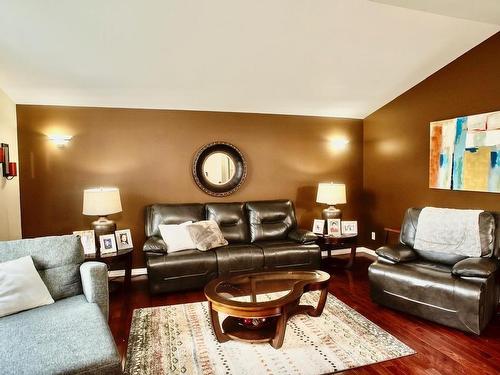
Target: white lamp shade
column 330, row 193
column 101, row 201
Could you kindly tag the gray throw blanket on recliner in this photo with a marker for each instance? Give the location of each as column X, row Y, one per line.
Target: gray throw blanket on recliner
column 447, row 230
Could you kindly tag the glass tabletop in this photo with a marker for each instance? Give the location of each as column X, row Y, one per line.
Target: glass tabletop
column 263, row 287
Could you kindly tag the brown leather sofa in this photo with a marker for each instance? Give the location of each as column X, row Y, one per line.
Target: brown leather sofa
column 262, row 235
column 452, row 290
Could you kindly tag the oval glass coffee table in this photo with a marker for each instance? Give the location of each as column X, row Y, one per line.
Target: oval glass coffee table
column 258, row 305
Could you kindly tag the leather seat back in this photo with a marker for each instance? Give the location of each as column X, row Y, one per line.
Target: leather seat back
column 270, row 220
column 232, row 220
column 157, row 214
column 496, row 251
column 489, row 240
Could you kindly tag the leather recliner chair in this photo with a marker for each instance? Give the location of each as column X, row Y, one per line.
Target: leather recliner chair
column 262, row 235
column 452, row 290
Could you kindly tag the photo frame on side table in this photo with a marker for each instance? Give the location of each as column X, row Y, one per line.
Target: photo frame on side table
column 108, row 243
column 318, row 226
column 333, row 226
column 87, row 237
column 123, row 239
column 350, row 227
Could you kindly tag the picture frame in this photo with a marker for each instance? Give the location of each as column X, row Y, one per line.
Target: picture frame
column 334, row 227
column 123, row 239
column 318, row 226
column 108, row 243
column 87, row 238
column 350, row 227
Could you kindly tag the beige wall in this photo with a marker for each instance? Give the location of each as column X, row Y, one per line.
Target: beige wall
column 10, row 213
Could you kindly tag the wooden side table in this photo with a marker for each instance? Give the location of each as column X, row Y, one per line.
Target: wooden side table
column 330, row 243
column 120, row 258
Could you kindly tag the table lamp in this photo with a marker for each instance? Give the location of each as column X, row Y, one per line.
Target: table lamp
column 331, row 194
column 102, row 202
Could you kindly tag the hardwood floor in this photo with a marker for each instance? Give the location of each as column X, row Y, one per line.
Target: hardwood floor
column 440, row 350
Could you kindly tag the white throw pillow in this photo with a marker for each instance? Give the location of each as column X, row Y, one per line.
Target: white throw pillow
column 176, row 236
column 21, row 287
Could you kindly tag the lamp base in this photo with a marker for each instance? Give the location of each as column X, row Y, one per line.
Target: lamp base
column 331, row 213
column 102, row 226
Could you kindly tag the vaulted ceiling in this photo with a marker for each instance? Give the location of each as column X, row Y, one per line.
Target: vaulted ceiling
column 342, row 58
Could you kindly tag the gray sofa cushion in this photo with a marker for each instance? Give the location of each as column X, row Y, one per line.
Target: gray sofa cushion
column 57, row 260
column 69, row 336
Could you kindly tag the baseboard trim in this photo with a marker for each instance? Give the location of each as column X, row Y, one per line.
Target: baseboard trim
column 144, row 271
column 135, row 272
column 363, row 250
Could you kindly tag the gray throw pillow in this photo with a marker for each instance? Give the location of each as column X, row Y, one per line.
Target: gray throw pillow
column 206, row 235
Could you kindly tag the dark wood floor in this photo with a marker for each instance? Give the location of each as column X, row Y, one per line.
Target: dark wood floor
column 440, row 350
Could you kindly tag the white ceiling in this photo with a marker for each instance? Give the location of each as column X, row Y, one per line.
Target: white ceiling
column 477, row 10
column 341, row 58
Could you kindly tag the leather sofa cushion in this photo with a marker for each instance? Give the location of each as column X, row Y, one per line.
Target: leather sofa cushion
column 302, row 236
column 486, row 234
column 232, row 220
column 396, row 254
column 270, row 220
column 421, row 265
column 238, row 258
column 157, row 214
column 287, row 254
column 475, row 267
column 182, row 270
column 155, row 244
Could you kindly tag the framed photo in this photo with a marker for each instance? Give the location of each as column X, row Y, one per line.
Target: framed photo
column 108, row 244
column 318, row 226
column 123, row 239
column 349, row 227
column 333, row 226
column 87, row 237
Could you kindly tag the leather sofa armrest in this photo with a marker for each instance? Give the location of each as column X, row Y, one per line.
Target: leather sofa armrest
column 302, row 236
column 475, row 267
column 155, row 244
column 397, row 254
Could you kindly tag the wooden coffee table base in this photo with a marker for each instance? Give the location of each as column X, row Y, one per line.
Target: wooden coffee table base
column 272, row 331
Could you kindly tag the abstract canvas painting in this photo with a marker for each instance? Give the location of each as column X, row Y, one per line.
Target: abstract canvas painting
column 465, row 153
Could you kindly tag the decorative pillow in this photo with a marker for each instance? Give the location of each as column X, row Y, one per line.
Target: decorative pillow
column 176, row 236
column 21, row 287
column 206, row 235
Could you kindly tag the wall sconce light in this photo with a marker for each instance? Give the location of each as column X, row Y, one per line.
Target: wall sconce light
column 60, row 140
column 339, row 143
column 7, row 168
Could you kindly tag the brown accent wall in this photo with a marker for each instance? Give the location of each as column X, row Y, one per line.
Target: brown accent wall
column 396, row 138
column 148, row 155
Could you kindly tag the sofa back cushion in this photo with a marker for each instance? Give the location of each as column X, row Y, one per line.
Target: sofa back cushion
column 157, row 214
column 57, row 259
column 231, row 219
column 487, row 229
column 270, row 220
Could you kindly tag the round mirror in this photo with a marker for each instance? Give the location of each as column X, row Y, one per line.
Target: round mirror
column 219, row 169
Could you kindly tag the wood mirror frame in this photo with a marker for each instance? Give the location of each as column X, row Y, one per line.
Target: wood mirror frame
column 240, row 169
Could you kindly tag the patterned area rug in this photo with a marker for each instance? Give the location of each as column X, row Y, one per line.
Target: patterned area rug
column 179, row 340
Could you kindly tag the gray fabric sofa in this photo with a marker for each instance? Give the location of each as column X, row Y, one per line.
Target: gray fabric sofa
column 70, row 336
